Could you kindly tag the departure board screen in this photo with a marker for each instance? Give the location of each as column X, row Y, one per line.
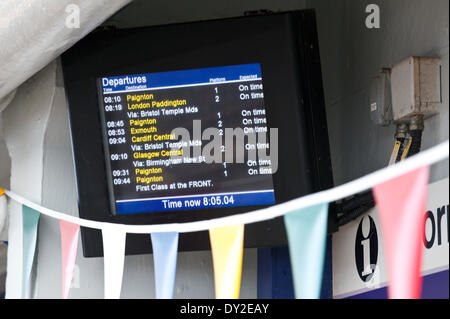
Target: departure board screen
column 165, row 139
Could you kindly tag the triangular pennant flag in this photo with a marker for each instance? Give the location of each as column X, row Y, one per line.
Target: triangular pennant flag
column 401, row 205
column 307, row 232
column 165, row 250
column 69, row 245
column 30, row 226
column 2, row 191
column 114, row 257
column 227, row 245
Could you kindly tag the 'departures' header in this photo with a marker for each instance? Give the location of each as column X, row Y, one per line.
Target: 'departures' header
column 127, row 83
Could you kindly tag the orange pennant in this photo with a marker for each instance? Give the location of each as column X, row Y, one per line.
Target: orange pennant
column 227, row 244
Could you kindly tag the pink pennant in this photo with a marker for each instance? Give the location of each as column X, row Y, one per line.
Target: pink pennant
column 69, row 245
column 401, row 204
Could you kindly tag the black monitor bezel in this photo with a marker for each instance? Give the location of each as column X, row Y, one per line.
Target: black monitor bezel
column 293, row 98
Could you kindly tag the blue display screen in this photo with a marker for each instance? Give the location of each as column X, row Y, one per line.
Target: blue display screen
column 152, row 167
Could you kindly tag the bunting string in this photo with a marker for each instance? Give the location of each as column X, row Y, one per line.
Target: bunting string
column 428, row 157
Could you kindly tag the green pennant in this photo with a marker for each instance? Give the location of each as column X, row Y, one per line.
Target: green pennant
column 307, row 231
column 30, row 226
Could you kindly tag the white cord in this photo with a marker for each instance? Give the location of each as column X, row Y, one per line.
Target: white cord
column 428, row 157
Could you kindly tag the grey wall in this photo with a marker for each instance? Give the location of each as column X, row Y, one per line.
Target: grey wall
column 5, row 160
column 6, row 163
column 351, row 54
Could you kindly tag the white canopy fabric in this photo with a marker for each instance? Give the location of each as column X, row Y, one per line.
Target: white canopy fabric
column 35, row 32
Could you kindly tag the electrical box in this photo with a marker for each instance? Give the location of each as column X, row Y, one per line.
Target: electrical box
column 416, row 87
column 380, row 99
column 129, row 89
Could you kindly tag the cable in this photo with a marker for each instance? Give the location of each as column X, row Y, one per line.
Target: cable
column 408, row 142
column 351, row 208
column 355, row 213
column 401, row 149
column 416, row 142
column 402, row 136
column 416, row 127
column 354, row 207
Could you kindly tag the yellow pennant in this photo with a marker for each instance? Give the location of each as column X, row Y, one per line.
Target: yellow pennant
column 2, row 191
column 227, row 245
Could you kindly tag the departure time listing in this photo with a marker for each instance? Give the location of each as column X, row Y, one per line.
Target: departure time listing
column 152, row 169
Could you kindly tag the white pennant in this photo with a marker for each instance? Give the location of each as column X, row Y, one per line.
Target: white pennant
column 114, row 257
